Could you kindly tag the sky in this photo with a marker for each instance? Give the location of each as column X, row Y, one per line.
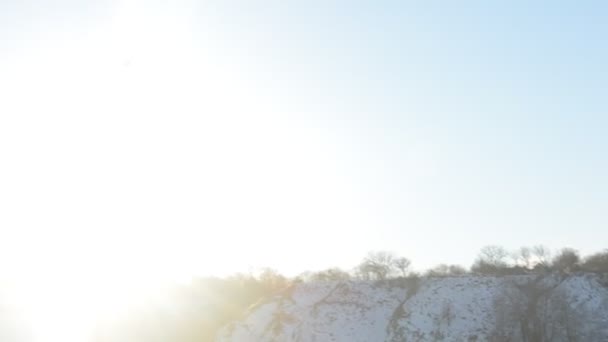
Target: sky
column 170, row 139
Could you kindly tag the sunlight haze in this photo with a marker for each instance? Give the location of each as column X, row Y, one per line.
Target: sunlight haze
column 152, row 142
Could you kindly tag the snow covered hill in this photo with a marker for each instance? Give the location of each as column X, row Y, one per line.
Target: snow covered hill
column 467, row 308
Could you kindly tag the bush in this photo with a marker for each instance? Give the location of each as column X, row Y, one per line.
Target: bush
column 567, row 260
column 597, row 262
column 491, row 260
column 444, row 270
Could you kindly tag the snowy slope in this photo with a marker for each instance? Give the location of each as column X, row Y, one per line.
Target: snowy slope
column 468, row 308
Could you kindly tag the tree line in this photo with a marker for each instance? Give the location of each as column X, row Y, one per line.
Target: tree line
column 496, row 260
column 491, row 260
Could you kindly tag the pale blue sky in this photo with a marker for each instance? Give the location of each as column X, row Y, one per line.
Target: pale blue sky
column 300, row 135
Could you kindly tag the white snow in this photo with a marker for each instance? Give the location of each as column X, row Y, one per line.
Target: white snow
column 467, row 308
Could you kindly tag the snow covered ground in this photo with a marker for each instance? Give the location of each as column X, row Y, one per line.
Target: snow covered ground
column 466, row 308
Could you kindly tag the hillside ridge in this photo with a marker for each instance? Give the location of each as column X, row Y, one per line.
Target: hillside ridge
column 551, row 307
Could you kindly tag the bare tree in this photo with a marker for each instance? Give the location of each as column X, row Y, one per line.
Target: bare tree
column 567, row 260
column 272, row 279
column 541, row 255
column 494, row 254
column 524, row 312
column 597, row 262
column 491, row 260
column 523, row 257
column 443, row 270
column 381, row 265
column 403, row 265
column 565, row 322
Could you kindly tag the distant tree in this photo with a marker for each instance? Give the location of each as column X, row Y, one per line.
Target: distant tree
column 272, row 279
column 403, row 265
column 303, row 277
column 567, row 260
column 495, row 255
column 491, row 260
column 541, row 255
column 457, row 270
column 443, row 270
column 523, row 257
column 597, row 262
column 380, row 265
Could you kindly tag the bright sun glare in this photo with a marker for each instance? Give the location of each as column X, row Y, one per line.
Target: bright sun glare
column 147, row 156
column 132, row 72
